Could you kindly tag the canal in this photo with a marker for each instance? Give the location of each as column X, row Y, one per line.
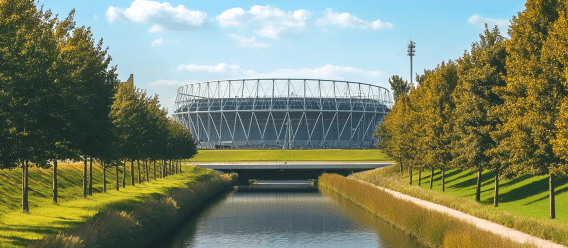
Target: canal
column 291, row 214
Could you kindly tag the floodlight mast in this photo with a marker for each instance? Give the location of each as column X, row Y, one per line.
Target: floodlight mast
column 411, row 52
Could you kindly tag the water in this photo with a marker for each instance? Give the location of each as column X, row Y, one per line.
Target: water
column 273, row 214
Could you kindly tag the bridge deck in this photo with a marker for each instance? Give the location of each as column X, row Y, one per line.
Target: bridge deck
column 300, row 165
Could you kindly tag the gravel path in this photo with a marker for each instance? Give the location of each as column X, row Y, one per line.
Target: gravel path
column 481, row 223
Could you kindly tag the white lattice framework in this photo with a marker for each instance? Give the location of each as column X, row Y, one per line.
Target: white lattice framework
column 282, row 113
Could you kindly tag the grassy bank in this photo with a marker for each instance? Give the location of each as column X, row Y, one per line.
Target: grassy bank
column 144, row 224
column 430, row 227
column 289, row 155
column 47, row 218
column 523, row 201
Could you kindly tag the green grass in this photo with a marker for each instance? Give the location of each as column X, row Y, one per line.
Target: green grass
column 523, row 201
column 47, row 218
column 289, row 155
column 526, row 195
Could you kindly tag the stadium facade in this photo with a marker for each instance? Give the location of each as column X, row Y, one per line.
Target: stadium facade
column 282, row 113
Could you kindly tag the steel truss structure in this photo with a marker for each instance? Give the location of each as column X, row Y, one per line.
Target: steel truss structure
column 282, row 113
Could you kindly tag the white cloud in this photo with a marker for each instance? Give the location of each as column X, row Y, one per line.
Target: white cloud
column 247, row 42
column 326, row 72
column 158, row 42
column 220, row 68
column 272, row 22
column 480, row 21
column 156, row 29
column 161, row 42
column 346, row 20
column 159, row 15
column 164, row 83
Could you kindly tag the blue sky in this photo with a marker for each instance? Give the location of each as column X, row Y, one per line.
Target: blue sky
column 170, row 43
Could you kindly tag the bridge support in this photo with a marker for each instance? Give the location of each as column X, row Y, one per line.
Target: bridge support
column 242, row 181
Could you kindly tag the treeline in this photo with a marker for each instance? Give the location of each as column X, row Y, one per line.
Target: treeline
column 61, row 100
column 503, row 106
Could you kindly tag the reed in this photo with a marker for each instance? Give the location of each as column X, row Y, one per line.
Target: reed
column 389, row 177
column 432, row 228
column 144, row 224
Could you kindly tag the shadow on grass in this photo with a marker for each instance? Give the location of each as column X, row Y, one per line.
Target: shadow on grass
column 23, row 242
column 472, row 182
column 533, row 188
column 467, row 174
column 558, row 182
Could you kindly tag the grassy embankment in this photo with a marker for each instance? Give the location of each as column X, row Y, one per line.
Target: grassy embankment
column 432, row 228
column 289, row 155
column 47, row 218
column 523, row 201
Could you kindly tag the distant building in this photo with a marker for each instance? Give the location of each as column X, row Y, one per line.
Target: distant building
column 282, row 113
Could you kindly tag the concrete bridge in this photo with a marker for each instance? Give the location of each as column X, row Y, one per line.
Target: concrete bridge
column 290, row 170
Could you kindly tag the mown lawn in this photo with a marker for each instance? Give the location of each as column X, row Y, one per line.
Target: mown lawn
column 46, row 218
column 289, row 155
column 525, row 195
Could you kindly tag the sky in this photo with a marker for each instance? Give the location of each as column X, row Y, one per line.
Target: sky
column 167, row 44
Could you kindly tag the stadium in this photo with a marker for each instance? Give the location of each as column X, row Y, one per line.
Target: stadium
column 282, row 113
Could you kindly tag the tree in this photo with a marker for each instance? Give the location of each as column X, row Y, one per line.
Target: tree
column 398, row 86
column 479, row 73
column 28, row 51
column 438, row 117
column 534, row 92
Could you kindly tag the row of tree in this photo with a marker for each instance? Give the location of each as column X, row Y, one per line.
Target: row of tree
column 503, row 106
column 61, row 99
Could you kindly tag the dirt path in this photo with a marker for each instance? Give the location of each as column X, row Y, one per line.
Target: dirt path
column 481, row 223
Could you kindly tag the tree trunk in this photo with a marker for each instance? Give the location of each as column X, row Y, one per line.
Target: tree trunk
column 85, row 177
column 162, row 169
column 443, row 180
column 478, row 188
column 551, row 194
column 419, row 176
column 132, row 172
column 146, row 165
column 496, row 194
column 431, row 177
column 124, row 175
column 410, row 175
column 154, row 169
column 139, row 177
column 25, row 205
column 180, row 166
column 400, row 166
column 104, row 177
column 55, row 181
column 91, row 176
column 116, row 174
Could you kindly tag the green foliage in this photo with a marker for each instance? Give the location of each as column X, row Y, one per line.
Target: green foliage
column 399, row 87
column 479, row 73
column 143, row 130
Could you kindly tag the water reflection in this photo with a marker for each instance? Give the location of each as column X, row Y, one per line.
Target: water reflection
column 292, row 215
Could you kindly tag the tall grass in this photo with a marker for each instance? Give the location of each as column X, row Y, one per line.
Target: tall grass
column 388, row 177
column 144, row 224
column 432, row 228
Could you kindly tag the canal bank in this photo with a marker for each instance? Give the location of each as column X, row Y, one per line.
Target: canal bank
column 432, row 228
column 286, row 214
column 141, row 226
